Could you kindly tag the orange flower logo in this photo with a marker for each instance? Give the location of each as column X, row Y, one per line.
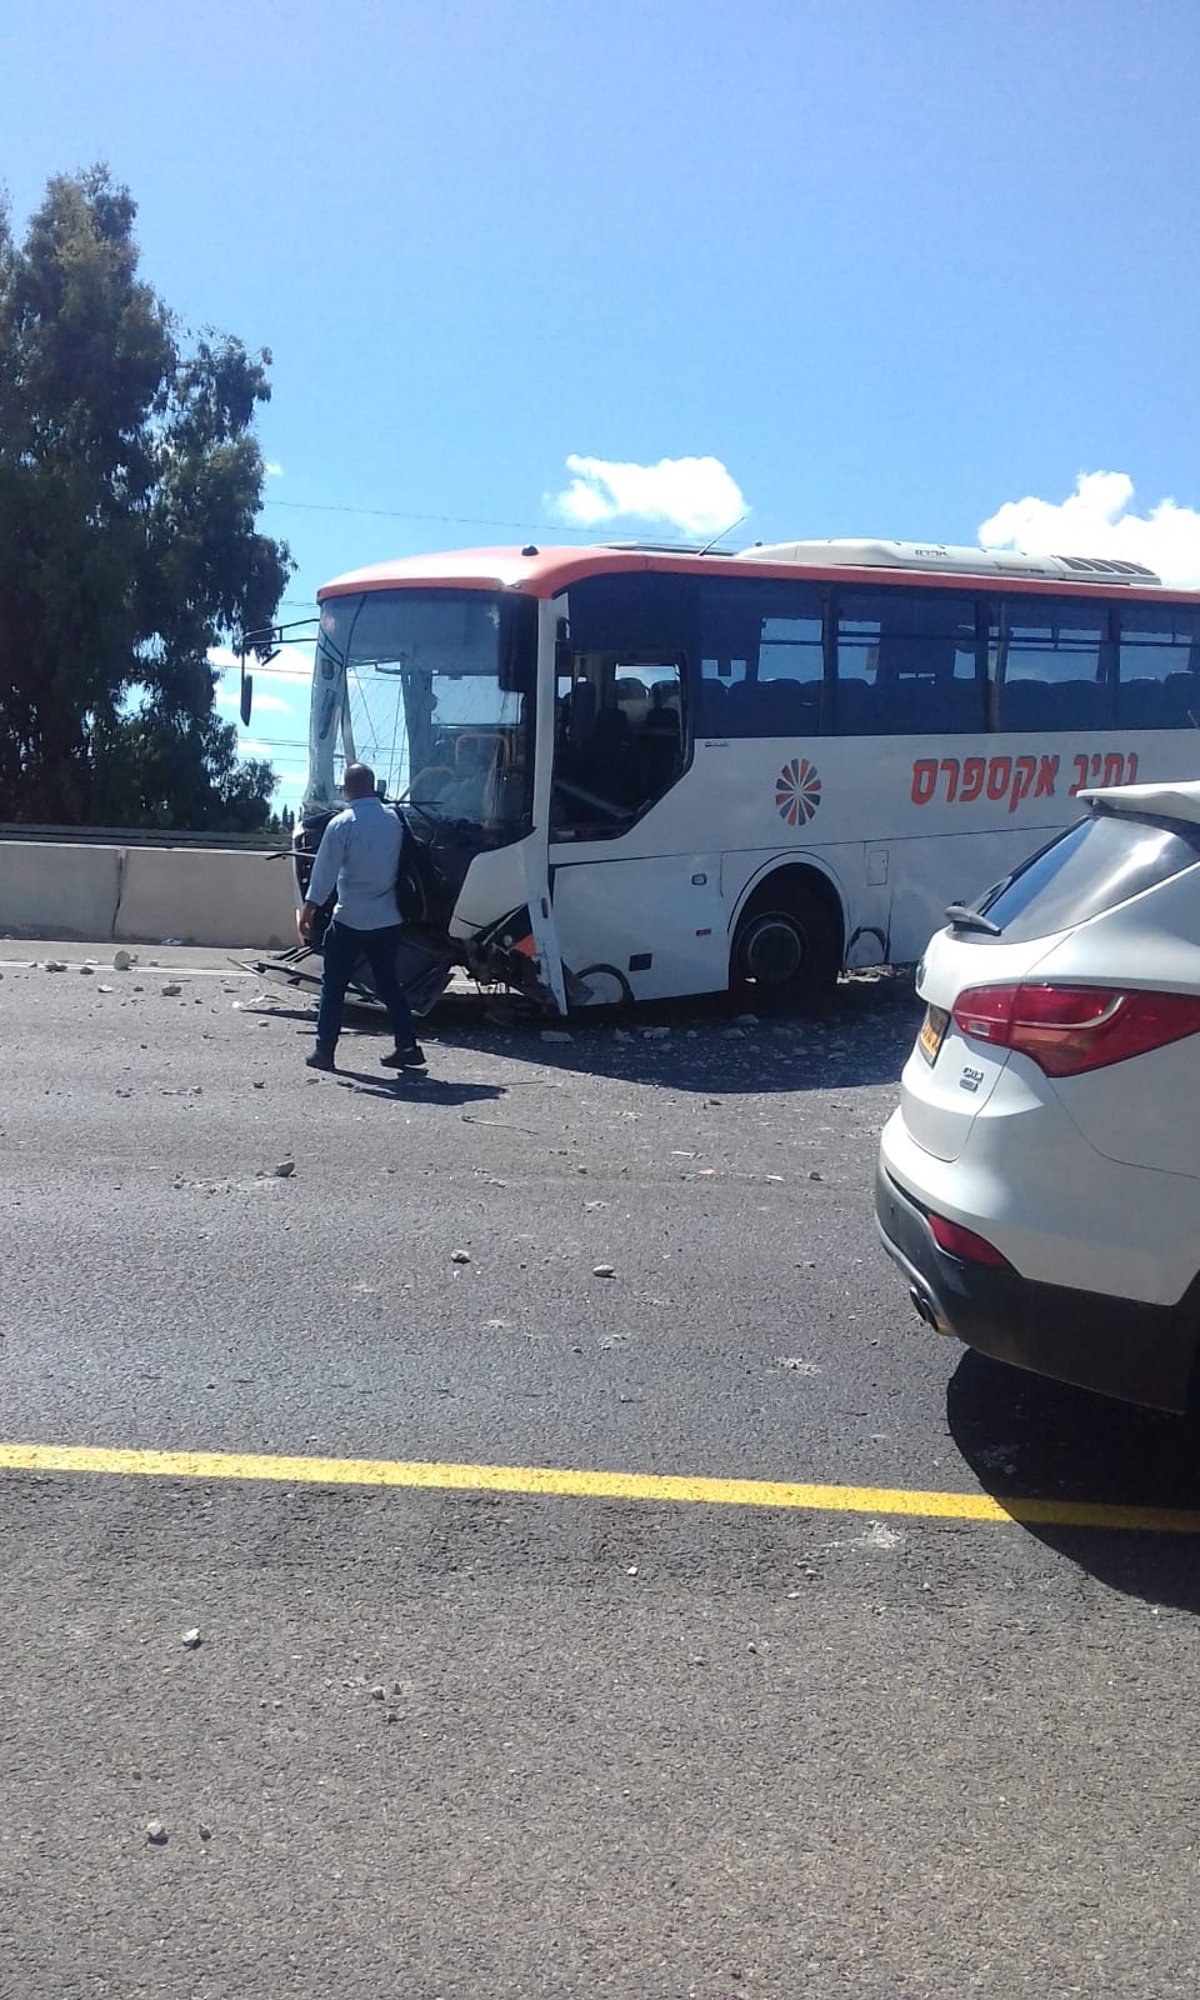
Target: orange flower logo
column 798, row 791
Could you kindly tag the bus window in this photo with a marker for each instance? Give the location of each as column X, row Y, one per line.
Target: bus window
column 1159, row 653
column 907, row 664
column 620, row 741
column 1048, row 665
column 761, row 658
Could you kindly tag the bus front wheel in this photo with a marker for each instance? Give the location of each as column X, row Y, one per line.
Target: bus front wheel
column 787, row 948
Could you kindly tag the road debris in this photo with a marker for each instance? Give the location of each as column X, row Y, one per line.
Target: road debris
column 171, row 990
column 156, row 1833
column 460, row 1256
column 603, row 1271
column 191, row 1639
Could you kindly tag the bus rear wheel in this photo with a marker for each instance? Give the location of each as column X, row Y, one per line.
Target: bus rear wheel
column 787, row 949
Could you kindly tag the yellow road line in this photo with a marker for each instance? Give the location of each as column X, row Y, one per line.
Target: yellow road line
column 563, row 1483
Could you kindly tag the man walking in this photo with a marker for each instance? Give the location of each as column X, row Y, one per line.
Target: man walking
column 360, row 856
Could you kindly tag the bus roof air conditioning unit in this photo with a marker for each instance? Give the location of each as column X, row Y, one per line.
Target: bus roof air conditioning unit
column 938, row 556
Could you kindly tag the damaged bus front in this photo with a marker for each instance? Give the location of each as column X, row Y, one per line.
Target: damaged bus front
column 436, row 689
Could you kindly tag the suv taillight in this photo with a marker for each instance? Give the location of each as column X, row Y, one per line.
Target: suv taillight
column 1066, row 1029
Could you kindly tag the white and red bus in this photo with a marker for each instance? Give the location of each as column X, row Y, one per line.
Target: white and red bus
column 637, row 772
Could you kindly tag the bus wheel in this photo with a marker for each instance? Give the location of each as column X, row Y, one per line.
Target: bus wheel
column 787, row 949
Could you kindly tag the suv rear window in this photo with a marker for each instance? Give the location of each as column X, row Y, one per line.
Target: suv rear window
column 1096, row 865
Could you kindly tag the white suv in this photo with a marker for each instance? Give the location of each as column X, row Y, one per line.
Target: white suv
column 1039, row 1185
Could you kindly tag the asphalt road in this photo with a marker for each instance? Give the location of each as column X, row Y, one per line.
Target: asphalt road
column 436, row 1742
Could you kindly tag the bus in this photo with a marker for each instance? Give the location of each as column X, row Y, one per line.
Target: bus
column 633, row 773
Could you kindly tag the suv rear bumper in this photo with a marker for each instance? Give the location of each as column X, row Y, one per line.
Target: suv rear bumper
column 1118, row 1347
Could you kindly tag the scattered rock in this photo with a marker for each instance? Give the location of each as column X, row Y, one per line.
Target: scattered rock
column 746, row 1020
column 656, row 1034
column 733, row 1034
column 460, row 1256
column 556, row 1035
column 379, row 1693
column 260, row 1083
column 815, row 1176
column 285, row 1170
column 102, row 988
column 204, row 1831
column 156, row 1833
column 55, row 965
column 86, row 971
column 796, row 1366
column 121, row 961
column 603, row 1271
column 192, row 1639
column 622, row 1035
column 171, row 990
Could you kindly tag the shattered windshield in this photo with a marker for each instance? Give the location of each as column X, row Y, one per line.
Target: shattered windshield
column 434, row 689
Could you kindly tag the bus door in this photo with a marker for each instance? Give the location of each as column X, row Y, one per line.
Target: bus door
column 636, row 917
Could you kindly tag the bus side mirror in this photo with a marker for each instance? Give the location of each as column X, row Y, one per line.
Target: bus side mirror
column 247, row 696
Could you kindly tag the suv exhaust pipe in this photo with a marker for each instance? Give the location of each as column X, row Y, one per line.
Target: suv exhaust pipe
column 925, row 1309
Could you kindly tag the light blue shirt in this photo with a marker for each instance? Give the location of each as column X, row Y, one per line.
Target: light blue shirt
column 360, row 856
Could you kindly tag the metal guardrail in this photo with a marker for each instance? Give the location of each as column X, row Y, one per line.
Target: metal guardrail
column 145, row 836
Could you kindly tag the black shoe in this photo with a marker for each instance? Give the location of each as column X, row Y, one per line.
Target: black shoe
column 413, row 1057
column 320, row 1059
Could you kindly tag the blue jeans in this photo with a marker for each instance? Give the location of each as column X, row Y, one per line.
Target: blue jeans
column 343, row 950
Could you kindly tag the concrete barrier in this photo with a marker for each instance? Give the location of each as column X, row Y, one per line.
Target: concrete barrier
column 143, row 895
column 205, row 896
column 47, row 890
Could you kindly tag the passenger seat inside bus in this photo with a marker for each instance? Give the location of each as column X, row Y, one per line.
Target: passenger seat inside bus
column 773, row 708
column 711, row 705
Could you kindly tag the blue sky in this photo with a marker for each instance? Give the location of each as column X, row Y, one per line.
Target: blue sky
column 894, row 265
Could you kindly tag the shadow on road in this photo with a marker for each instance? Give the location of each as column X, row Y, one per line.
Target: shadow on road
column 424, row 1090
column 1028, row 1439
column 863, row 1037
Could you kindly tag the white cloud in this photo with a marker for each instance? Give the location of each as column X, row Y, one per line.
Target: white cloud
column 273, row 469
column 1095, row 521
column 697, row 495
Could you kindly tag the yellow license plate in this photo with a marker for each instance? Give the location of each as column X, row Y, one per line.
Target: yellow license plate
column 933, row 1027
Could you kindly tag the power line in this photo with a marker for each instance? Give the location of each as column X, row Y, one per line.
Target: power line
column 397, row 514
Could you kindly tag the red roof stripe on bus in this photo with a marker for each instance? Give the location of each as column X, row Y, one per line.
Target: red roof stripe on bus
column 552, row 570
